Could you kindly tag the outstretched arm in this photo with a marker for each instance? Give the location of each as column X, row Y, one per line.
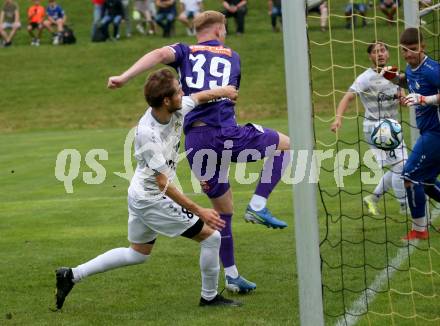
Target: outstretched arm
column 342, row 107
column 163, row 55
column 205, row 96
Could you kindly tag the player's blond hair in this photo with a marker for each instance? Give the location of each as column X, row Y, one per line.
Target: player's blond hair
column 207, row 19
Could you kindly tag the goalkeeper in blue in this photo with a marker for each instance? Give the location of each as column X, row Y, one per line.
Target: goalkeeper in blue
column 422, row 79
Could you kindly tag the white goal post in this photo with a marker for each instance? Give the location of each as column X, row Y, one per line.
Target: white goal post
column 300, row 121
column 299, row 103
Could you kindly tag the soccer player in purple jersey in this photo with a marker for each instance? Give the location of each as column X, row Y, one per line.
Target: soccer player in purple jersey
column 215, row 132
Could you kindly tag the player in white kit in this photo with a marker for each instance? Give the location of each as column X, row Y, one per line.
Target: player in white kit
column 380, row 98
column 156, row 206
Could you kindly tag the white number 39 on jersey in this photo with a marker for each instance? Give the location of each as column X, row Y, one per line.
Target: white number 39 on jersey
column 214, row 71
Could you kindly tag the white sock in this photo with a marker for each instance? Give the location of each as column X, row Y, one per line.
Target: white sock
column 258, row 202
column 383, row 185
column 210, row 265
column 397, row 182
column 419, row 224
column 111, row 259
column 231, row 271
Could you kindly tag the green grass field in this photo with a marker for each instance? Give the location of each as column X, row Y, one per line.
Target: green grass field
column 54, row 98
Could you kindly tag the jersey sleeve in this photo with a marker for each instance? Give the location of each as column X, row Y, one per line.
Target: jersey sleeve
column 187, row 104
column 358, row 86
column 180, row 51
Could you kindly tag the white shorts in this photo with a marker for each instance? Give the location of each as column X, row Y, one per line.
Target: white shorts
column 146, row 219
column 11, row 25
column 388, row 158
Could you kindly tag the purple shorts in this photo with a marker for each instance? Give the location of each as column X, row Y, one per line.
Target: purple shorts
column 213, row 149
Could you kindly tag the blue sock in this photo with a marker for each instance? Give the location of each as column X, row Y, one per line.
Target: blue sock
column 416, row 200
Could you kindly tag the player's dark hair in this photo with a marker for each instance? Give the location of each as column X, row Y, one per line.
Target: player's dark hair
column 207, row 19
column 411, row 36
column 158, row 86
column 374, row 43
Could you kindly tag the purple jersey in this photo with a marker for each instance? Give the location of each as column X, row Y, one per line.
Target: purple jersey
column 204, row 66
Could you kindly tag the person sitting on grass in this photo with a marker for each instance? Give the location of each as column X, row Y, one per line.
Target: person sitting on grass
column 144, row 11
column 166, row 15
column 238, row 10
column 35, row 18
column 113, row 13
column 353, row 8
column 189, row 10
column 389, row 8
column 55, row 17
column 9, row 19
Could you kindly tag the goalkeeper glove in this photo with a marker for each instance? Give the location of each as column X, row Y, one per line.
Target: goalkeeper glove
column 417, row 99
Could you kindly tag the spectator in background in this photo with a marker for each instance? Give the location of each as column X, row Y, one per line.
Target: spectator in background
column 166, row 15
column 35, row 19
column 9, row 19
column 238, row 10
column 144, row 11
column 352, row 7
column 55, row 16
column 389, row 8
column 126, row 16
column 274, row 13
column 98, row 6
column 189, row 9
column 321, row 8
column 112, row 14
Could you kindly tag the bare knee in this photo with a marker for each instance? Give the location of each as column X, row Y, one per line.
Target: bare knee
column 143, row 248
column 284, row 142
column 205, row 233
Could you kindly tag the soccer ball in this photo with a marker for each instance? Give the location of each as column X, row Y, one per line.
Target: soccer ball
column 387, row 134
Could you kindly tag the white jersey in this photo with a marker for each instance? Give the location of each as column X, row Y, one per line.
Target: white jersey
column 156, row 151
column 378, row 95
column 191, row 5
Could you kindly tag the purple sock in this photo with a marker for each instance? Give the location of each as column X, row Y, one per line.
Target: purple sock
column 227, row 244
column 272, row 172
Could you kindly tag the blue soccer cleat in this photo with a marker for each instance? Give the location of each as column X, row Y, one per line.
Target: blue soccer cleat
column 264, row 217
column 239, row 284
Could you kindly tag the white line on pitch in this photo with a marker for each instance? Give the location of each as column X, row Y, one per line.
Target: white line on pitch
column 368, row 295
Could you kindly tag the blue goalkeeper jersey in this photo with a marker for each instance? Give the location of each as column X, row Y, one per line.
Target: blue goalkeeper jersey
column 425, row 80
